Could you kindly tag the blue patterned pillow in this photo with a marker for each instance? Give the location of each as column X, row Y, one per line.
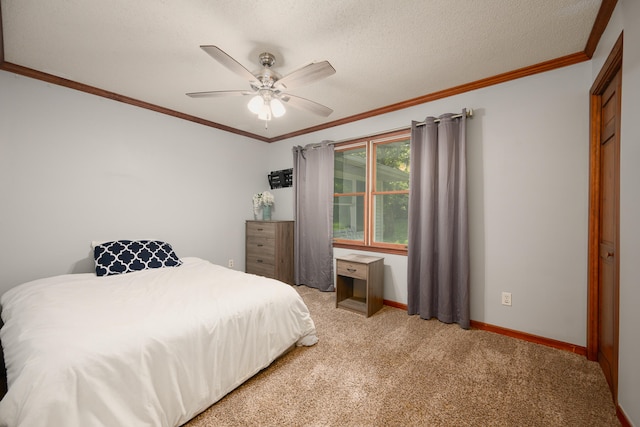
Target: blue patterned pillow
column 125, row 256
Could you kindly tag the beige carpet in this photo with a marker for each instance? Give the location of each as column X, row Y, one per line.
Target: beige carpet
column 398, row 370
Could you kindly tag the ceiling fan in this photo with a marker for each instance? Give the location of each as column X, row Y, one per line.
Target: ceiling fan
column 269, row 89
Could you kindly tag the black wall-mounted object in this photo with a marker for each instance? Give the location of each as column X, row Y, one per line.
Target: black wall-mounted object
column 280, row 179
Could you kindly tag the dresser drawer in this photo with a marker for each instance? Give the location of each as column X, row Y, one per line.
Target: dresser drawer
column 261, row 230
column 261, row 243
column 260, row 266
column 261, row 248
column 265, row 253
column 350, row 269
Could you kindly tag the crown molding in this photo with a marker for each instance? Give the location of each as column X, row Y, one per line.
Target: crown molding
column 600, row 24
column 478, row 84
column 50, row 78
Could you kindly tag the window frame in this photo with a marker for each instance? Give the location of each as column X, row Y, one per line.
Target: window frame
column 370, row 143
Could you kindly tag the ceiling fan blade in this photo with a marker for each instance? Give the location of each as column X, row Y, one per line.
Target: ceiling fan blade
column 306, row 104
column 307, row 74
column 219, row 93
column 233, row 65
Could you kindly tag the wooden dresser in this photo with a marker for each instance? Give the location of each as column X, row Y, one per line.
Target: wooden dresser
column 269, row 249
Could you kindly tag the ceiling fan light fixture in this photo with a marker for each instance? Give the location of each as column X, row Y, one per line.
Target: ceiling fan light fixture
column 277, row 108
column 256, row 104
column 266, row 106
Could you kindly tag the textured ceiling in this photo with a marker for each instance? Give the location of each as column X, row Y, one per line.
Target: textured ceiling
column 384, row 51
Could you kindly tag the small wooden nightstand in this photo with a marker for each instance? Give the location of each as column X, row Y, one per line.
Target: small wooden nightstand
column 359, row 283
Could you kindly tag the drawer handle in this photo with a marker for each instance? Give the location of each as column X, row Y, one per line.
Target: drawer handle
column 260, row 245
column 259, row 260
column 351, row 270
column 260, row 229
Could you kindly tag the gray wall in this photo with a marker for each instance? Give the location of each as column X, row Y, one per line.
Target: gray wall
column 75, row 168
column 528, row 198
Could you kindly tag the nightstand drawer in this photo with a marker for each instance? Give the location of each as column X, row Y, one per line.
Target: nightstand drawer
column 261, row 230
column 349, row 269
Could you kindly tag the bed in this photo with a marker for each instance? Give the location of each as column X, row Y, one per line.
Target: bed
column 152, row 347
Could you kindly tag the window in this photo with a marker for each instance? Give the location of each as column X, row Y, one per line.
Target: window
column 371, row 193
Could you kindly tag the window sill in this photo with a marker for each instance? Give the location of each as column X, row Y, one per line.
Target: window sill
column 371, row 249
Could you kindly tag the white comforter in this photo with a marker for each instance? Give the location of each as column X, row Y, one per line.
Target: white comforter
column 150, row 348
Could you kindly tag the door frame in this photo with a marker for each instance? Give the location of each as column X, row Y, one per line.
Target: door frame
column 612, row 65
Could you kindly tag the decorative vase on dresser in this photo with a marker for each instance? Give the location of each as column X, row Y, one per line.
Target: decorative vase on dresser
column 269, row 249
column 266, row 213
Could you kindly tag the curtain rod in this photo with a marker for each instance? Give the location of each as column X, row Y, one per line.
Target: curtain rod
column 455, row 116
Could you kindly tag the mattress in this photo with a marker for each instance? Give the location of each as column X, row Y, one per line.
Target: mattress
column 149, row 348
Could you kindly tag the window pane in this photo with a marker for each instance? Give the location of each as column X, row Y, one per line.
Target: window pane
column 350, row 171
column 392, row 166
column 391, row 218
column 348, row 218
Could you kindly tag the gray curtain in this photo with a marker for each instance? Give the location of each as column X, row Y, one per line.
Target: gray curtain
column 313, row 214
column 438, row 252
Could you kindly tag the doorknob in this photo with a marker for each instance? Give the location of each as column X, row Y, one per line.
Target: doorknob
column 607, row 251
column 606, row 254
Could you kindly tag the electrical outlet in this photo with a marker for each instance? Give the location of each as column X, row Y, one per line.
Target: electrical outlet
column 506, row 298
column 230, row 263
